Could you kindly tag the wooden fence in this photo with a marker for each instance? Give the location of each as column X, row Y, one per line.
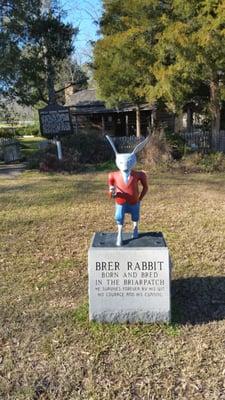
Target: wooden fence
column 221, row 142
column 201, row 140
column 126, row 144
column 198, row 140
column 9, row 150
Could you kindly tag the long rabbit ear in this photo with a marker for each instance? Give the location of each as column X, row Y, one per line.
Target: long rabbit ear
column 112, row 144
column 141, row 145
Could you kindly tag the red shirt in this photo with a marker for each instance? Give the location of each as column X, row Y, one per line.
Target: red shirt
column 128, row 192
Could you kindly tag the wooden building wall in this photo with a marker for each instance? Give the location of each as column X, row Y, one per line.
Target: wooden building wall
column 119, row 123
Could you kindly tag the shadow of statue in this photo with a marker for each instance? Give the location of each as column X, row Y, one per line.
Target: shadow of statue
column 198, row 300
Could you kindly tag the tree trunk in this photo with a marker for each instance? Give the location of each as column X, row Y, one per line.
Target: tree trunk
column 153, row 118
column 189, row 119
column 127, row 124
column 215, row 109
column 138, row 122
column 50, row 82
column 178, row 123
column 103, row 125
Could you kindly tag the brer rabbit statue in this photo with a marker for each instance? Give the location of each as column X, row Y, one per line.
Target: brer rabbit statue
column 123, row 186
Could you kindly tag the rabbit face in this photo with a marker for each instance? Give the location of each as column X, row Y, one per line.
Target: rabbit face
column 125, row 161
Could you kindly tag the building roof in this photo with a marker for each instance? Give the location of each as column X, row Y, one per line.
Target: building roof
column 86, row 102
column 84, row 97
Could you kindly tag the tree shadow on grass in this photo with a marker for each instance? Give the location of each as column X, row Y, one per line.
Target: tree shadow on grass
column 198, row 300
column 215, row 182
column 40, row 195
column 26, row 187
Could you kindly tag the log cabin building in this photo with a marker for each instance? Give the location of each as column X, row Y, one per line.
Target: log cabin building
column 89, row 112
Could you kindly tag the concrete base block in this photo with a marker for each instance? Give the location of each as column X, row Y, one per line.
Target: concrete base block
column 129, row 283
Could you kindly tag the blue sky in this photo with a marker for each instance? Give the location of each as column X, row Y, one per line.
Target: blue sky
column 83, row 13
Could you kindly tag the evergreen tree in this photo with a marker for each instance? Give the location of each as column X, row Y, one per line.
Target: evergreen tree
column 33, row 43
column 122, row 57
column 163, row 50
column 15, row 16
column 190, row 51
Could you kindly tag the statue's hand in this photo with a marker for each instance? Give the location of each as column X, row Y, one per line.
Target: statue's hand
column 112, row 191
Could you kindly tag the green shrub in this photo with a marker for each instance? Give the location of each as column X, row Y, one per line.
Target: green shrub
column 29, row 130
column 106, row 166
column 9, row 132
column 196, row 162
column 33, row 162
column 176, row 143
column 212, row 162
column 50, row 163
column 89, row 148
column 78, row 151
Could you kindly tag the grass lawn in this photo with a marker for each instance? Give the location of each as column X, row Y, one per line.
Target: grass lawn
column 49, row 350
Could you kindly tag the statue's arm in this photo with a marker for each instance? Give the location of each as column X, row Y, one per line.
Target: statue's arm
column 143, row 179
column 111, row 183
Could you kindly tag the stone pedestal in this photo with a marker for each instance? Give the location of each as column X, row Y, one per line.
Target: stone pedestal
column 129, row 283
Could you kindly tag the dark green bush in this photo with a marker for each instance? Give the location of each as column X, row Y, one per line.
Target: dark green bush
column 197, row 162
column 33, row 162
column 89, row 148
column 9, row 132
column 30, row 130
column 50, row 163
column 176, row 144
column 213, row 162
column 78, row 151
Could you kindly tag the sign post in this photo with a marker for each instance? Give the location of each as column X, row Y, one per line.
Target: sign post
column 55, row 121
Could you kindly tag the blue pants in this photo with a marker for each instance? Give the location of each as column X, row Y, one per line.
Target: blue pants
column 122, row 209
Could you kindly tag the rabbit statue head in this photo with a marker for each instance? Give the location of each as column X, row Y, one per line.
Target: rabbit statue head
column 125, row 162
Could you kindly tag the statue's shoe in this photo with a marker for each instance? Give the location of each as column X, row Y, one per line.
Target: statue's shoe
column 135, row 233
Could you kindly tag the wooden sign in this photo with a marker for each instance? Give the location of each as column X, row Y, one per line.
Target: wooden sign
column 55, row 120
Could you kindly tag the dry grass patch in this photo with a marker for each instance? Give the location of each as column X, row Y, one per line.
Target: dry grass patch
column 49, row 350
